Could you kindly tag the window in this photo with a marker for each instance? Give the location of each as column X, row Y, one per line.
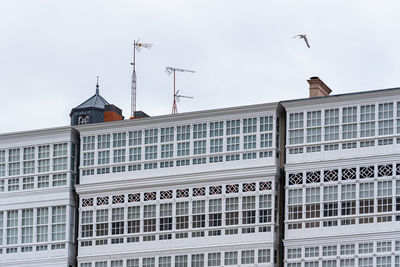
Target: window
column 88, row 143
column 296, row 137
column 348, row 249
column 384, row 261
column 27, row 226
column 197, row 260
column 199, row 131
column 117, row 218
column 384, row 188
column 294, row 253
column 347, row 263
column 231, row 258
column 88, row 159
column 330, row 193
column 365, row 248
column 164, row 262
column 384, row 246
column 266, row 140
column 167, row 134
column 232, row 143
column 28, row 183
column 366, row 190
column 13, row 162
column 214, row 259
column 311, row 252
column 117, row 263
column 367, row 113
column 313, row 126
column 135, row 154
column 385, row 111
column 2, row 185
column 13, row 184
column 349, row 114
column 312, row 195
column 150, row 152
column 329, row 251
column 365, row 262
column 119, row 139
column 182, row 218
column 133, row 219
column 103, row 141
column 181, row 261
column 199, row 147
column 167, row 151
column 59, row 179
column 60, row 150
column 101, row 222
column 367, row 129
column 233, row 127
column 247, row 257
column 183, row 149
column 149, row 262
column 149, row 222
column 264, row 255
column 385, row 116
column 103, row 157
column 198, row 211
column 87, row 223
column 249, row 142
column 295, row 196
column 215, row 215
column 12, row 227
column 348, row 191
column 58, row 223
column 216, row 145
column 349, row 131
column 183, row 132
column 296, row 120
column 166, row 217
column 119, row 155
column 135, row 138
column 42, row 225
column 29, row 163
column 265, row 208
column 60, row 160
column 331, row 124
column 266, row 124
column 249, row 125
column 216, row 129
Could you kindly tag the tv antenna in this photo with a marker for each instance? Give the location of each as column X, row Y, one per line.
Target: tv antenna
column 177, row 97
column 137, row 46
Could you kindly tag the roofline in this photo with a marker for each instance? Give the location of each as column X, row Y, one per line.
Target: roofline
column 37, row 131
column 347, row 96
column 182, row 116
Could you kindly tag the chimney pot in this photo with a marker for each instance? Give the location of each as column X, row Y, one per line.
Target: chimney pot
column 318, row 88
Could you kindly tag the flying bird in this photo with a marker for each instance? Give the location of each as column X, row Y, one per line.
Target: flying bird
column 303, row 36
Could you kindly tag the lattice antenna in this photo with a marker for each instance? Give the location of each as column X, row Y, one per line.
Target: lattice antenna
column 136, row 47
column 169, row 71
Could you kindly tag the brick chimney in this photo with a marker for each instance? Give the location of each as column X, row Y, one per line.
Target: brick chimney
column 318, row 87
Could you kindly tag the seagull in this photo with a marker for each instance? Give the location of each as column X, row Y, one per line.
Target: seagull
column 304, row 37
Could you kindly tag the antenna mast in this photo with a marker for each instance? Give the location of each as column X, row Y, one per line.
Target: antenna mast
column 136, row 47
column 170, row 70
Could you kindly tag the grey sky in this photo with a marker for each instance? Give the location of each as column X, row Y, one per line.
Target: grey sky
column 242, row 52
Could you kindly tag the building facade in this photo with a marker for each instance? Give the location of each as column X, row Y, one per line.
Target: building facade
column 38, row 170
column 343, row 180
column 198, row 189
column 300, row 183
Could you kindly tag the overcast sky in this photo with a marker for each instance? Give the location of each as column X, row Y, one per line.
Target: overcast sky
column 242, row 51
